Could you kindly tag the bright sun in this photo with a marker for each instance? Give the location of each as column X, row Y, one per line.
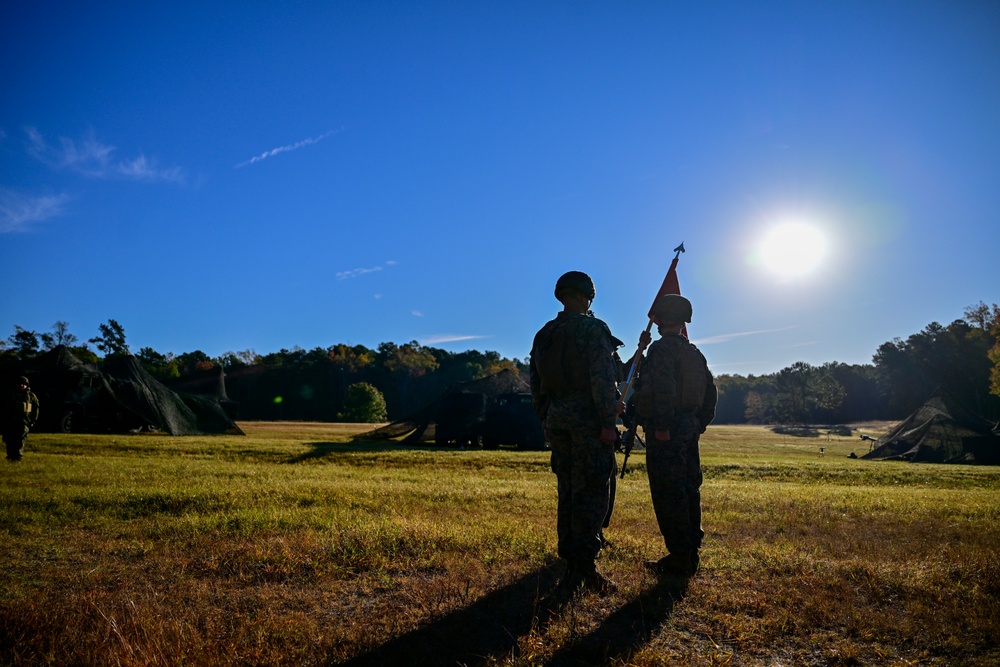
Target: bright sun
column 792, row 249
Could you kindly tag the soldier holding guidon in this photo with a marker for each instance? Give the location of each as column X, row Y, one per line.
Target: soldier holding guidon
column 675, row 399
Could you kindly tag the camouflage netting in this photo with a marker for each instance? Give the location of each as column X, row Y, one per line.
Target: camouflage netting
column 58, row 360
column 121, row 393
column 53, row 375
column 942, row 430
column 420, row 425
column 170, row 411
column 208, row 384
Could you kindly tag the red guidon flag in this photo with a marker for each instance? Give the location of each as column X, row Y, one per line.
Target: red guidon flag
column 670, row 285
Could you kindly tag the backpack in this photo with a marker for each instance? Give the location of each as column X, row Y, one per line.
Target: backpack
column 558, row 359
column 690, row 375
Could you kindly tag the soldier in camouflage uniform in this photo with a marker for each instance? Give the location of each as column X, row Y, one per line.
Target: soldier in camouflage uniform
column 675, row 399
column 574, row 391
column 20, row 412
column 623, row 369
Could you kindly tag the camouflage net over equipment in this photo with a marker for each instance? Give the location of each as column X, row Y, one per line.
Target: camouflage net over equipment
column 118, row 394
column 942, row 430
column 421, row 424
column 174, row 412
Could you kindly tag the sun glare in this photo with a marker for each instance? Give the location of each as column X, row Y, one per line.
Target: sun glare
column 792, row 249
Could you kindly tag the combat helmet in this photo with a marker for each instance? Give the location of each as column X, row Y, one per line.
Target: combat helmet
column 672, row 308
column 576, row 280
column 23, row 381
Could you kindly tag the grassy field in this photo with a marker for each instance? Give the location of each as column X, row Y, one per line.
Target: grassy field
column 293, row 546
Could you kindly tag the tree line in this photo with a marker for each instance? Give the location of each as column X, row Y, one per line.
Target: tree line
column 347, row 383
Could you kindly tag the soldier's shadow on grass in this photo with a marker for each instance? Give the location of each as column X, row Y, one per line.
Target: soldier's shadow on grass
column 625, row 630
column 487, row 629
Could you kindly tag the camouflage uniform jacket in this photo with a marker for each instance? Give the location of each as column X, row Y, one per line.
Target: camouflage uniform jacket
column 675, row 380
column 574, row 371
column 20, row 410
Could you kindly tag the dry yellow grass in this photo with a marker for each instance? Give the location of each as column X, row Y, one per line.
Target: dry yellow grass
column 293, row 546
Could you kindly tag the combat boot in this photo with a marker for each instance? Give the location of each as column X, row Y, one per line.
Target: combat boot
column 656, row 566
column 676, row 564
column 594, row 581
column 569, row 580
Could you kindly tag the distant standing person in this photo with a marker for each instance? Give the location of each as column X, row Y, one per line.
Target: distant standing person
column 574, row 391
column 675, row 398
column 20, row 412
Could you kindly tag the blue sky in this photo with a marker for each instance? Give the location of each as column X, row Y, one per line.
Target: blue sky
column 227, row 176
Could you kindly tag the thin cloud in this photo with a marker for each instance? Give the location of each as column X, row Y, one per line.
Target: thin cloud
column 437, row 339
column 416, row 313
column 142, row 169
column 95, row 159
column 19, row 212
column 354, row 273
column 290, row 147
column 725, row 338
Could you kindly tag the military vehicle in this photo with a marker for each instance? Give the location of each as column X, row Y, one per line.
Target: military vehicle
column 90, row 407
column 511, row 421
column 470, row 419
column 458, row 418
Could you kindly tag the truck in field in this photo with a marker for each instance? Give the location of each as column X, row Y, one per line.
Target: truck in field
column 470, row 419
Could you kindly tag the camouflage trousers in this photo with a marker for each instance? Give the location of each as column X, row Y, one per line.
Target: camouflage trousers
column 674, row 469
column 583, row 466
column 14, row 439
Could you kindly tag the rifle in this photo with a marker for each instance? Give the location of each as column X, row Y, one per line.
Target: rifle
column 631, row 422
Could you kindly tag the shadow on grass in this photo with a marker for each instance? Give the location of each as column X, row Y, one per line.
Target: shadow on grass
column 624, row 631
column 807, row 431
column 322, row 449
column 489, row 629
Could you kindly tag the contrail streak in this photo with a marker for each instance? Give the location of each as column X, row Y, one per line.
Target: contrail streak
column 289, row 147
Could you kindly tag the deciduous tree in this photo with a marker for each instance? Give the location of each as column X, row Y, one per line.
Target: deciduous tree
column 987, row 318
column 23, row 342
column 956, row 357
column 60, row 336
column 365, row 404
column 161, row 366
column 406, row 362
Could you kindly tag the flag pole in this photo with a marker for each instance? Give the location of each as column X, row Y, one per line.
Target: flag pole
column 674, row 288
column 670, row 286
